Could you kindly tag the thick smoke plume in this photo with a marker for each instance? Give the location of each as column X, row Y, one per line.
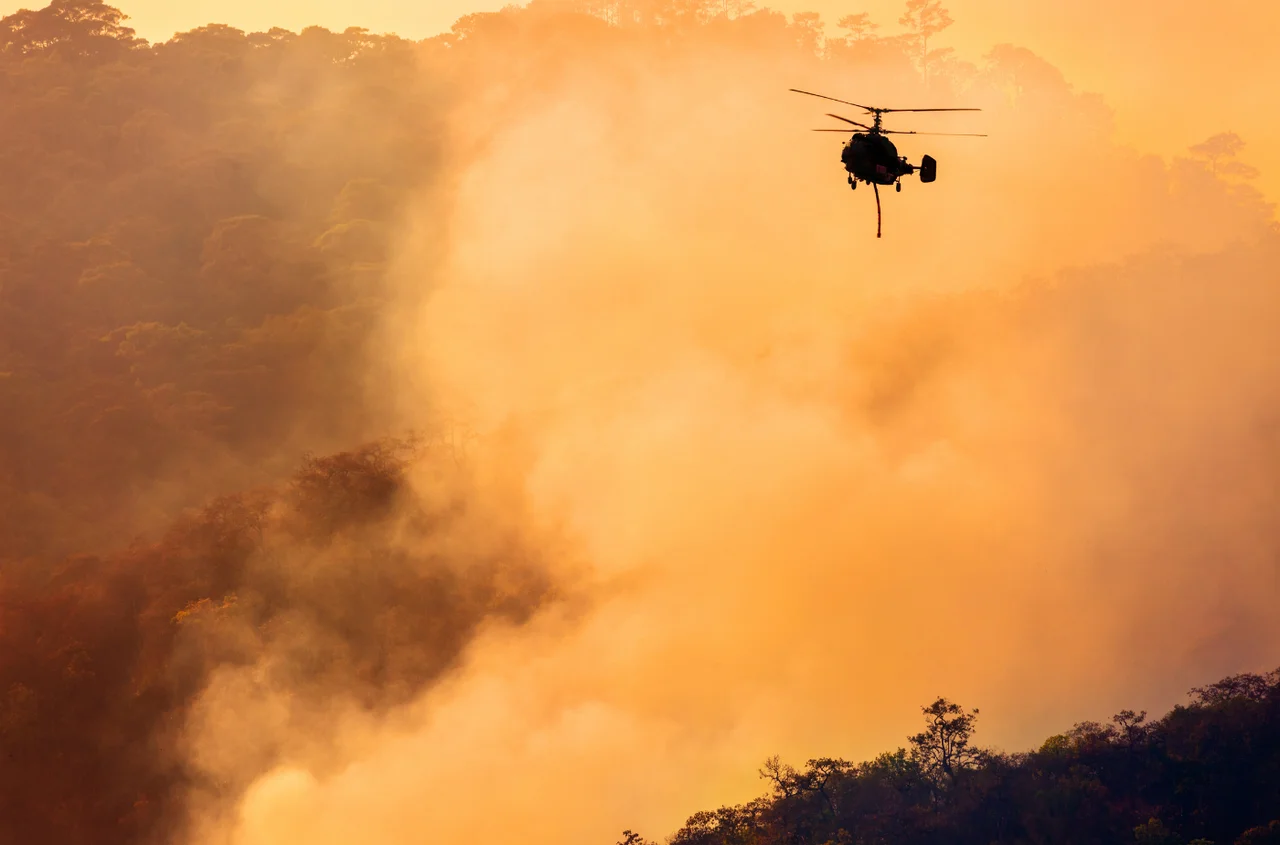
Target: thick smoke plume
column 708, row 472
column 1016, row 452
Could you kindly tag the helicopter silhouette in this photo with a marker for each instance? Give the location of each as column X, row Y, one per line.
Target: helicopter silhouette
column 872, row 158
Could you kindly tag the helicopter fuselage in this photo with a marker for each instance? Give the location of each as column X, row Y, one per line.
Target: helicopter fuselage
column 874, row 159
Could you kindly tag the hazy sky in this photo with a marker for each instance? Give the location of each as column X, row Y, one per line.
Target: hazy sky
column 1173, row 74
column 810, row 496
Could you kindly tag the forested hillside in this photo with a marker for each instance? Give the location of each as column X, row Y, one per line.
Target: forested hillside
column 198, row 255
column 191, row 259
column 1208, row 772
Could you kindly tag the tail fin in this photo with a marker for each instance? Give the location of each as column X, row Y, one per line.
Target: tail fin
column 928, row 169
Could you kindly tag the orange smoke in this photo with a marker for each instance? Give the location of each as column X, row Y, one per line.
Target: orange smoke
column 800, row 481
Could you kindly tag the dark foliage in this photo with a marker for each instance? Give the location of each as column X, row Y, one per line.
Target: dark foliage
column 194, row 246
column 103, row 656
column 1208, row 772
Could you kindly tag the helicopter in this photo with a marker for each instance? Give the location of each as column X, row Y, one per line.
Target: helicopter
column 872, row 158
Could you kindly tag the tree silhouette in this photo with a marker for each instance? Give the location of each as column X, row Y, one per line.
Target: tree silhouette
column 195, row 248
column 943, row 747
column 1153, row 832
column 808, row 27
column 1130, row 725
column 923, row 20
column 69, row 28
column 1198, row 776
column 1268, row 834
column 1220, row 152
column 859, row 27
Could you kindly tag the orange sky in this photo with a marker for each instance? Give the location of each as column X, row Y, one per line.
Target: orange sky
column 743, row 454
column 808, row 496
column 1173, row 73
column 785, row 452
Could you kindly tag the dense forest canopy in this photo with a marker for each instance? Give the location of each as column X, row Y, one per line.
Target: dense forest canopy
column 1209, row 771
column 202, row 263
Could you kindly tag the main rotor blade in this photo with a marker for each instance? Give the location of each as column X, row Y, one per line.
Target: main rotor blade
column 956, row 134
column 872, row 109
column 844, row 131
column 833, row 99
column 847, row 120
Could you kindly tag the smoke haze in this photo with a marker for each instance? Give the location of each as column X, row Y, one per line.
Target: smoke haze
column 818, row 478
column 712, row 473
